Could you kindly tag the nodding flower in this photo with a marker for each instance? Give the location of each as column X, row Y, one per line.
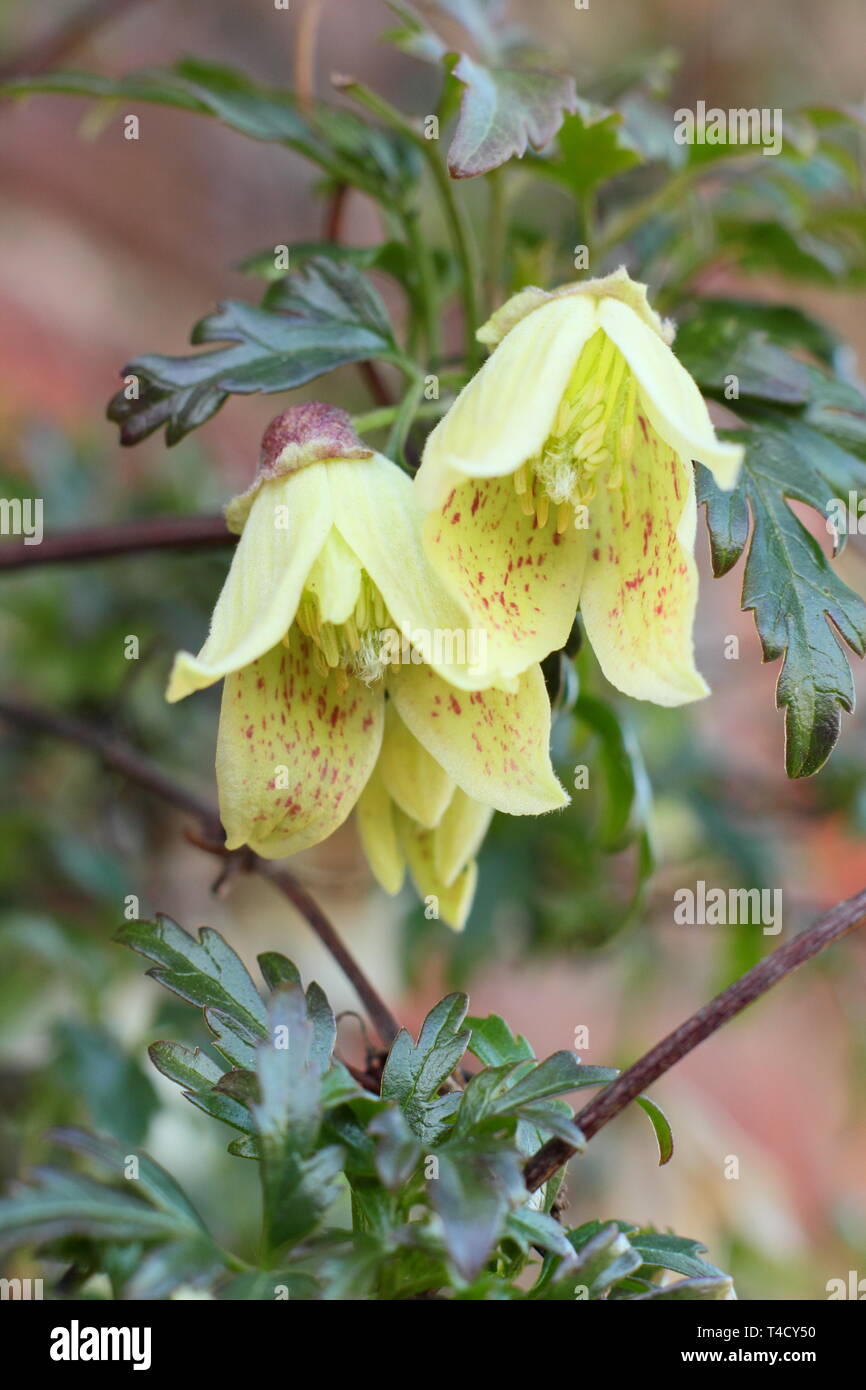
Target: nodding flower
column 562, row 477
column 329, row 567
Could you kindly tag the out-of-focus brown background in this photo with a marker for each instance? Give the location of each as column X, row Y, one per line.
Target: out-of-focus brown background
column 110, row 247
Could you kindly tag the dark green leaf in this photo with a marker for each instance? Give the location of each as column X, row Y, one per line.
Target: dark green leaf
column 502, row 112
column 277, row 970
column 789, row 583
column 662, row 1127
column 320, row 318
column 340, row 142
column 592, row 146
column 397, row 1149
column 675, row 1253
column 414, row 1072
column 206, row 972
column 493, row 1042
column 474, row 1191
column 298, row 1183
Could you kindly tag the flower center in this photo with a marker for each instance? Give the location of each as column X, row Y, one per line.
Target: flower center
column 354, row 647
column 591, row 440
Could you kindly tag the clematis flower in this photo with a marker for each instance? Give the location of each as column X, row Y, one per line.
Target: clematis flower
column 563, row 474
column 412, row 814
column 328, row 603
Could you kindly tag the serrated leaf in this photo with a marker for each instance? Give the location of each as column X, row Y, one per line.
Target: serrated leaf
column 475, row 1189
column 414, row 1072
column 381, row 162
column 502, row 112
column 789, row 583
column 198, row 1075
column 298, row 1183
column 206, row 972
column 321, row 317
column 397, row 1149
column 64, row 1204
column 112, row 1156
column 593, row 145
column 537, row 1229
column 277, row 969
column 493, row 1042
column 676, row 1253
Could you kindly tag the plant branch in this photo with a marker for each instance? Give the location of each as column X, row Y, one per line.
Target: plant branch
column 120, row 758
column 455, row 215
column 843, row 918
column 120, row 538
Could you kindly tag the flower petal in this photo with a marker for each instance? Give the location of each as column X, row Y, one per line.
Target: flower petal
column 505, row 413
column 493, row 744
column 452, row 902
column 377, row 512
column 641, row 586
column 413, row 779
column 520, row 582
column 375, row 818
column 335, row 579
column 293, row 754
column 673, row 404
column 267, row 576
column 459, row 835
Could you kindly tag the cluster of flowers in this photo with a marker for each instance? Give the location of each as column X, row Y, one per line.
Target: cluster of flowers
column 561, row 476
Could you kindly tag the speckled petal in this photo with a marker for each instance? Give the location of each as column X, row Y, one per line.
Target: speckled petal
column 641, row 587
column 376, row 511
column 671, row 401
column 494, row 745
column 520, row 582
column 293, row 754
column 284, row 533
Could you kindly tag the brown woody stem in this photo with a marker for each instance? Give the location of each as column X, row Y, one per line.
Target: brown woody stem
column 845, row 917
column 116, row 755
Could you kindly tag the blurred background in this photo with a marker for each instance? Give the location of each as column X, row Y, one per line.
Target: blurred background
column 109, row 248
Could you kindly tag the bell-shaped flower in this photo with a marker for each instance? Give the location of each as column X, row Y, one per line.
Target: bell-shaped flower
column 562, row 475
column 330, row 601
column 411, row 814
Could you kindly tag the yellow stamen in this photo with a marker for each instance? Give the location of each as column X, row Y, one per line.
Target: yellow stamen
column 562, row 514
column 542, row 506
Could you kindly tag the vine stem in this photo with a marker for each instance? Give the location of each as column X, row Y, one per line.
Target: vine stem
column 455, row 215
column 845, row 917
column 120, row 538
column 118, row 756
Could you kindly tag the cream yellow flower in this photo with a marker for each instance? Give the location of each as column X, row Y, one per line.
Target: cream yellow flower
column 563, row 474
column 412, row 814
column 329, row 603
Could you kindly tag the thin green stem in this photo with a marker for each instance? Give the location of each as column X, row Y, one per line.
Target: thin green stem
column 427, row 292
column 381, row 419
column 404, row 419
column 454, row 211
column 496, row 233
